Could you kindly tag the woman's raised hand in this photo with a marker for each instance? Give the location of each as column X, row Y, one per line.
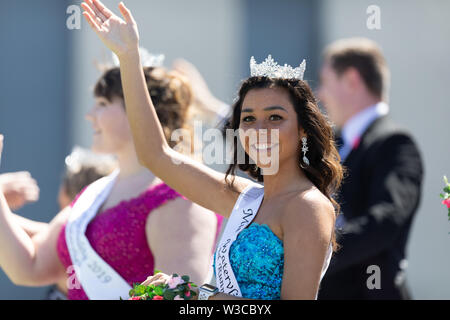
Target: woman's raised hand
column 121, row 36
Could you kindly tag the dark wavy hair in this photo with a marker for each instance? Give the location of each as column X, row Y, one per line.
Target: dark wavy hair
column 325, row 170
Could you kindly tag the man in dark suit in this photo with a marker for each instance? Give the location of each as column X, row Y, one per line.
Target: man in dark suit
column 381, row 191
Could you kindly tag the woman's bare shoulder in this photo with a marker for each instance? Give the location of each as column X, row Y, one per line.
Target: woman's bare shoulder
column 307, row 209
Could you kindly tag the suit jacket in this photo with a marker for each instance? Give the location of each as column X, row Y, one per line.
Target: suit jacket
column 378, row 198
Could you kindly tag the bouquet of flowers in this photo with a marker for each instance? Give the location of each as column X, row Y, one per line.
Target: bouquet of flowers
column 446, row 196
column 177, row 288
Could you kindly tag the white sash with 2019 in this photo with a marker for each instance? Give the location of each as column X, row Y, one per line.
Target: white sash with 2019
column 98, row 279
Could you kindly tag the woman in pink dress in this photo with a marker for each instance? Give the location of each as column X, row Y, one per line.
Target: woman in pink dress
column 124, row 226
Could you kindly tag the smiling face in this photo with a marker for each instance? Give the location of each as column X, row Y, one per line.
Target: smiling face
column 110, row 124
column 269, row 126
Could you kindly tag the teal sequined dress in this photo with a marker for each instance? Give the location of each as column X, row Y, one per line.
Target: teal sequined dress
column 257, row 260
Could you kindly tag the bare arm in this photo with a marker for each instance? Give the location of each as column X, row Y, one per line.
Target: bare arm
column 188, row 177
column 29, row 261
column 31, row 227
column 307, row 225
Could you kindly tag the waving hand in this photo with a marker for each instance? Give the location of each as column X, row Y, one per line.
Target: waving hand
column 119, row 35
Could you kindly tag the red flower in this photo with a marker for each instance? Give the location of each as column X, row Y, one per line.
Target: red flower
column 187, row 294
column 135, row 298
column 158, row 298
column 446, row 202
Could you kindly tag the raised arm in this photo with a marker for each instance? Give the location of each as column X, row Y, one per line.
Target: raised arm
column 194, row 180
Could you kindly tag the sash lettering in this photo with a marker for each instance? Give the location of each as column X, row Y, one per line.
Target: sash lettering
column 98, row 279
column 243, row 213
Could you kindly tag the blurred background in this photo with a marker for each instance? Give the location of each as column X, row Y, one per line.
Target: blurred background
column 47, row 73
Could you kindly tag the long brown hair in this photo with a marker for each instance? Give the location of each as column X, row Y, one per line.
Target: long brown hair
column 325, row 170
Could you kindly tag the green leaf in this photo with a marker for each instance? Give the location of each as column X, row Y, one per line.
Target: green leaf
column 157, row 271
column 185, row 278
column 140, row 290
column 169, row 295
column 158, row 291
column 133, row 291
column 174, row 275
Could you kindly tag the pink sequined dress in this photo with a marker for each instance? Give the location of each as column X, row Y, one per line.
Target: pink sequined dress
column 118, row 236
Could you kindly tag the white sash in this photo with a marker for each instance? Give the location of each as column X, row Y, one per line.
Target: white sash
column 98, row 279
column 243, row 213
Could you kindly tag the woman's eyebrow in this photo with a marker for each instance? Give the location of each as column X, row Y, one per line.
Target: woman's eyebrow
column 266, row 109
column 275, row 108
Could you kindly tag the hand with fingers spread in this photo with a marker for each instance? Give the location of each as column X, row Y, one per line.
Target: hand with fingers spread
column 120, row 35
column 19, row 188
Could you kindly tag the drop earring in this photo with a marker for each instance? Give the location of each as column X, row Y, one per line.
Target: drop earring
column 304, row 150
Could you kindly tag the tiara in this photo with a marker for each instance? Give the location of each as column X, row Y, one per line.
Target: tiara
column 148, row 59
column 269, row 68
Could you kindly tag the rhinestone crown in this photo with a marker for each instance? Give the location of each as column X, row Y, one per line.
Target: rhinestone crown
column 269, row 68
